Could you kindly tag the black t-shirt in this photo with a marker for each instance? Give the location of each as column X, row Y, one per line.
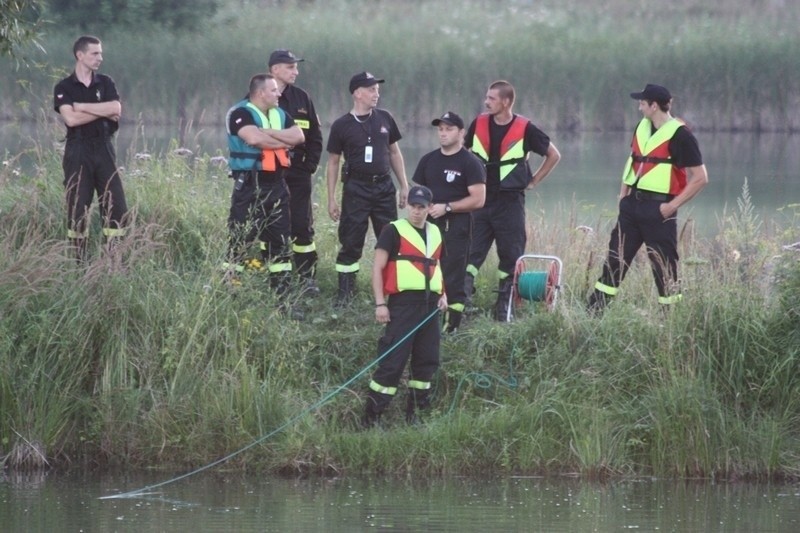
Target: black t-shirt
column 449, row 176
column 242, row 116
column 70, row 91
column 684, row 150
column 535, row 141
column 297, row 104
column 350, row 136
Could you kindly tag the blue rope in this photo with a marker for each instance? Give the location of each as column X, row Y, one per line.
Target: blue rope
column 484, row 380
column 340, row 388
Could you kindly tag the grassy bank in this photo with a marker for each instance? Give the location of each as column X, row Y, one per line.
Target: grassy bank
column 732, row 65
column 152, row 362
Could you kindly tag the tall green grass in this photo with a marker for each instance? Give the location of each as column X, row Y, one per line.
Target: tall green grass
column 731, row 65
column 144, row 358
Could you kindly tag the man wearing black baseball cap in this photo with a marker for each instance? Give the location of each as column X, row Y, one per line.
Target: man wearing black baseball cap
column 366, row 139
column 407, row 284
column 458, row 181
column 305, row 160
column 664, row 171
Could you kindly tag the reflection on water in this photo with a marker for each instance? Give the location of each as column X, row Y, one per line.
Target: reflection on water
column 218, row 502
column 586, row 180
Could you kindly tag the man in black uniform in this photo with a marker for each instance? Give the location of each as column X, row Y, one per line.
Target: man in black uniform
column 458, row 181
column 407, row 285
column 503, row 140
column 259, row 136
column 305, row 159
column 367, row 137
column 89, row 104
column 664, row 171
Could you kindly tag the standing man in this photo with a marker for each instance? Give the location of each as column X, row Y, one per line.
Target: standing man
column 89, row 104
column 457, row 179
column 367, row 138
column 664, row 171
column 407, row 285
column 305, row 159
column 260, row 135
column 503, row 140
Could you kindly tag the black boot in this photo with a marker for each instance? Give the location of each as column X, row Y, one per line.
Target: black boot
column 376, row 403
column 501, row 307
column 598, row 301
column 452, row 320
column 347, row 288
column 418, row 400
column 79, row 249
column 469, row 290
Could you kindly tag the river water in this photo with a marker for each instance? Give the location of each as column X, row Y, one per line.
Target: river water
column 220, row 502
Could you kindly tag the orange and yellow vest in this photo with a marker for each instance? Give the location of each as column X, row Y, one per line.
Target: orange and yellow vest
column 649, row 167
column 246, row 157
column 514, row 174
column 416, row 266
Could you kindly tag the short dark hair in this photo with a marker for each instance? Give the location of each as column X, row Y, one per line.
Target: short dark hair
column 505, row 90
column 257, row 82
column 82, row 43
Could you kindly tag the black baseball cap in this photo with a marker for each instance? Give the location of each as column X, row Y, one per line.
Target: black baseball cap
column 420, row 195
column 449, row 118
column 283, row 56
column 363, row 79
column 653, row 93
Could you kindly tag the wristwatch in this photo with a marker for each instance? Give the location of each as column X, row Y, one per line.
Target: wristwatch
column 447, row 208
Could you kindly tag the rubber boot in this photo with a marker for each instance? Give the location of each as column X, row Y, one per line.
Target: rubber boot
column 598, row 301
column 503, row 296
column 347, row 287
column 376, row 404
column 469, row 290
column 452, row 320
column 418, row 400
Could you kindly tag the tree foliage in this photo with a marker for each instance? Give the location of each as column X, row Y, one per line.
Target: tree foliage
column 19, row 25
column 171, row 14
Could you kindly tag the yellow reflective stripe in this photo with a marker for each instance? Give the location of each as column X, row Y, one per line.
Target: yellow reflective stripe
column 457, row 307
column 607, row 289
column 344, row 269
column 421, row 385
column 72, row 234
column 305, row 124
column 232, row 266
column 669, row 300
column 472, row 270
column 114, row 232
column 377, row 387
column 304, row 248
column 502, row 275
column 280, row 267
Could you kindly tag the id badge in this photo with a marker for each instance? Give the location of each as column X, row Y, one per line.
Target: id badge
column 368, row 154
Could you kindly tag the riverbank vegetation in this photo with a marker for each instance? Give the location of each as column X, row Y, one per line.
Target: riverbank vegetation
column 731, row 65
column 144, row 358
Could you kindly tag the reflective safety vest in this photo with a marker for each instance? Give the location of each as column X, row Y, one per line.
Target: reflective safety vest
column 649, row 167
column 246, row 157
column 514, row 174
column 415, row 267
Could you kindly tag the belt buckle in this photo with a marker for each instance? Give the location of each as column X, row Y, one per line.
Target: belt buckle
column 636, row 194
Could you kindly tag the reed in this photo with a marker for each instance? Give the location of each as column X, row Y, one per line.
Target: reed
column 145, row 358
column 732, row 66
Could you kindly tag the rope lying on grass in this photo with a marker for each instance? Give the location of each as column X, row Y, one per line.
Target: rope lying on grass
column 144, row 491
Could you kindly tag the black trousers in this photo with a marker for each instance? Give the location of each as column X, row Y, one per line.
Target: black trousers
column 456, row 229
column 302, row 221
column 90, row 168
column 640, row 222
column 260, row 210
column 501, row 220
column 422, row 347
column 363, row 201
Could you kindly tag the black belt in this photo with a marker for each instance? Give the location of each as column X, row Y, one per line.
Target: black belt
column 368, row 178
column 262, row 175
column 647, row 195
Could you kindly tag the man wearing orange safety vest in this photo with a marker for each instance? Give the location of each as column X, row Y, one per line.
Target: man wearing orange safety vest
column 664, row 171
column 503, row 141
column 259, row 136
column 408, row 286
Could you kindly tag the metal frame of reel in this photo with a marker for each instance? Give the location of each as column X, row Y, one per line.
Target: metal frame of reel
column 536, row 286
